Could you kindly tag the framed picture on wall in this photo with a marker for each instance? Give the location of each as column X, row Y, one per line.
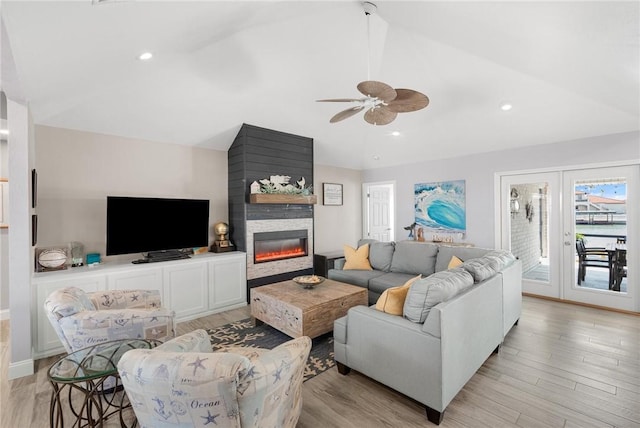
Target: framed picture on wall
column 331, row 194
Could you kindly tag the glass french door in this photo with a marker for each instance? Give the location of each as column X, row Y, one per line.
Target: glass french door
column 547, row 218
column 601, row 212
column 530, row 227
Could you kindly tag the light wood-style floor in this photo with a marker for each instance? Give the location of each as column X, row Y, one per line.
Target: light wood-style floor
column 562, row 366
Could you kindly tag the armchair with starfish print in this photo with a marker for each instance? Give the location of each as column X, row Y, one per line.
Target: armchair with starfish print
column 84, row 318
column 183, row 383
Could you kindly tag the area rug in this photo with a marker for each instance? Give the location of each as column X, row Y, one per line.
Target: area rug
column 245, row 333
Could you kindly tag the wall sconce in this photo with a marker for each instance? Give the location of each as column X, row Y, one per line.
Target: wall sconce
column 515, row 205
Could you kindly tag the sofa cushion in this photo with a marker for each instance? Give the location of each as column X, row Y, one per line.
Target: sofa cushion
column 414, row 258
column 481, row 268
column 426, row 293
column 445, row 252
column 388, row 280
column 357, row 258
column 355, row 277
column 392, row 299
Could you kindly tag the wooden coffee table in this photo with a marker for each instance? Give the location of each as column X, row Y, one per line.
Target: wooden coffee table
column 297, row 311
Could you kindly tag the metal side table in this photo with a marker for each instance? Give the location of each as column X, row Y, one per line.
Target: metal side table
column 93, row 388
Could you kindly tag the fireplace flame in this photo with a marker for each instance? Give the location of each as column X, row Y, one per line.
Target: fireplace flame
column 279, row 255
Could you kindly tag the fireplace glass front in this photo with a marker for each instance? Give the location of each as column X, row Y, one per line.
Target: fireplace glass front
column 272, row 246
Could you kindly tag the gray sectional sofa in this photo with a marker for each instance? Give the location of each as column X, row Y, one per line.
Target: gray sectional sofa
column 453, row 319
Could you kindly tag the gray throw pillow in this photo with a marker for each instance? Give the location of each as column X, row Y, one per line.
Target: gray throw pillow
column 414, row 258
column 380, row 255
column 499, row 259
column 481, row 268
column 426, row 293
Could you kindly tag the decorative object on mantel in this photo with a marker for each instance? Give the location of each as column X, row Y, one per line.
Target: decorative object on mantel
column 222, row 243
column 278, row 190
column 331, row 194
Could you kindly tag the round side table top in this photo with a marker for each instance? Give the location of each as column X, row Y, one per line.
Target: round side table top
column 95, row 361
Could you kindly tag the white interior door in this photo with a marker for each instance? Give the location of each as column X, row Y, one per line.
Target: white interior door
column 601, row 208
column 530, row 229
column 378, row 222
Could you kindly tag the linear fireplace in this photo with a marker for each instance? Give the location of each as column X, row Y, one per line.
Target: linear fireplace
column 287, row 247
column 280, row 245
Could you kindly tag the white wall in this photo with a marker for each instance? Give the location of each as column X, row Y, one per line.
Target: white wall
column 479, row 171
column 4, row 235
column 77, row 170
column 337, row 225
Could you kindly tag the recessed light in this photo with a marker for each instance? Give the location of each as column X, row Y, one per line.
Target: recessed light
column 145, row 56
column 506, row 106
column 396, row 133
column 4, row 131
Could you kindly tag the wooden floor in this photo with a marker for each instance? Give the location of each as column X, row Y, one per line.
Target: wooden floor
column 562, row 366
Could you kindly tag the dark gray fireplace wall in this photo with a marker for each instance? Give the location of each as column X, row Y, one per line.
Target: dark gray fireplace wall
column 258, row 153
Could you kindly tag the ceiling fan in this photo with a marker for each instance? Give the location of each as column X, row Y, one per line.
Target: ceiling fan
column 381, row 102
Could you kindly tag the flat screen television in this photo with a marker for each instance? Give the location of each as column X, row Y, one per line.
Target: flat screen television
column 139, row 225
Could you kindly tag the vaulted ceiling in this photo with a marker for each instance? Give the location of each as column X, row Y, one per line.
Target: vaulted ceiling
column 570, row 69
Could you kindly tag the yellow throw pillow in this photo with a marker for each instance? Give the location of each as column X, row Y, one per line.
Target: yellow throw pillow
column 357, row 259
column 392, row 299
column 454, row 262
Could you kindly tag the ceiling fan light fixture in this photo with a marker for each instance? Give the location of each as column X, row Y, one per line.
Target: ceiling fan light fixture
column 145, row 56
column 381, row 102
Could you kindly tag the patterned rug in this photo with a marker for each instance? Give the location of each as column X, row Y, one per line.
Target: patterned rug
column 244, row 333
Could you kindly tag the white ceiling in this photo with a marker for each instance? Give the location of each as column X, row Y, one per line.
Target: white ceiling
column 569, row 68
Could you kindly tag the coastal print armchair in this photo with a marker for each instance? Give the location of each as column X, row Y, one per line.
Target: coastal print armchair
column 83, row 319
column 183, row 383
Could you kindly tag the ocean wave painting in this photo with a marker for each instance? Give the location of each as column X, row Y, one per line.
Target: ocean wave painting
column 440, row 207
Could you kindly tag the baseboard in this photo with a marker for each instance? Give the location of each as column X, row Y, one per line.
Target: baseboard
column 587, row 305
column 4, row 314
column 20, row 369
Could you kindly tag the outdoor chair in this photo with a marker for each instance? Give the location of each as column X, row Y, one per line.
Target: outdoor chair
column 619, row 268
column 591, row 257
column 183, row 383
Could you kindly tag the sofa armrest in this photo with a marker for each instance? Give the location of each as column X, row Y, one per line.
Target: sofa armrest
column 393, row 351
column 512, row 294
column 339, row 263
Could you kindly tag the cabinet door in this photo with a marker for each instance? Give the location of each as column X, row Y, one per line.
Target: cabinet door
column 47, row 341
column 137, row 279
column 228, row 282
column 186, row 288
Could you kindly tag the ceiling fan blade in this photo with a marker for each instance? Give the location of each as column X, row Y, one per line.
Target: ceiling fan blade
column 339, row 100
column 408, row 100
column 380, row 115
column 345, row 114
column 375, row 89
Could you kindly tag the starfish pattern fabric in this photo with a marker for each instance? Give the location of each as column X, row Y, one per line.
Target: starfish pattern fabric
column 206, row 388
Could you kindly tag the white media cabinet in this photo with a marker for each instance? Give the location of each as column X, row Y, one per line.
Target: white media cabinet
column 195, row 287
